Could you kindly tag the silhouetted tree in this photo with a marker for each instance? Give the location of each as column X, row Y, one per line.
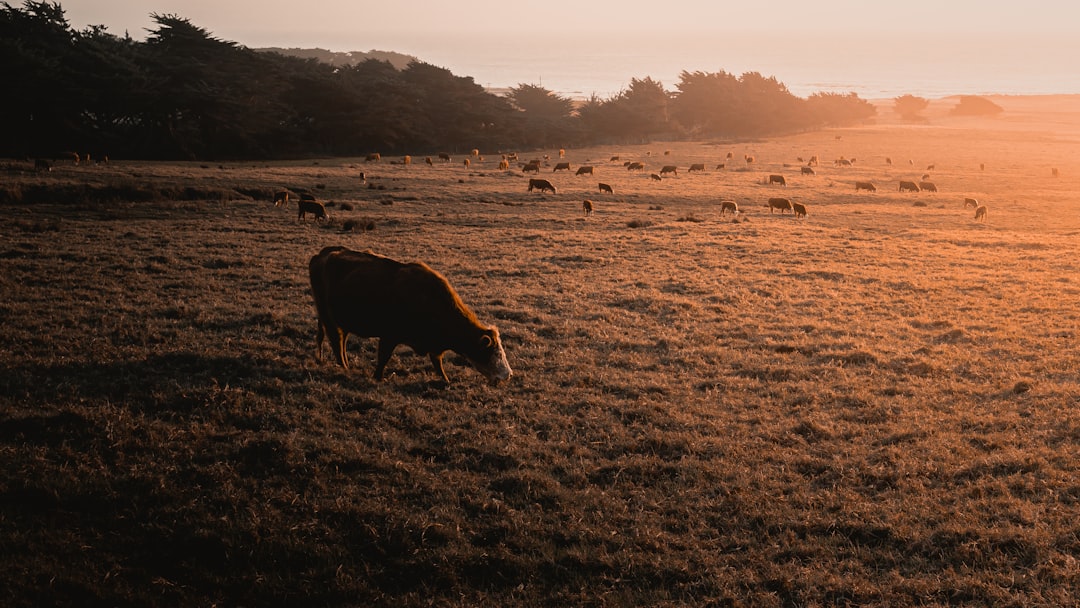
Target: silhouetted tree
column 832, row 109
column 546, row 115
column 973, row 105
column 909, row 106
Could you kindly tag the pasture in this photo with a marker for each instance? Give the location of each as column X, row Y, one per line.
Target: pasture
column 875, row 404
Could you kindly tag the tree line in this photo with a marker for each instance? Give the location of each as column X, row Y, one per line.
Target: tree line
column 184, row 94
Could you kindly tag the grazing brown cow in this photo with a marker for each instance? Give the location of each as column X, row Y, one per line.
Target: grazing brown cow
column 777, row 179
column 512, row 156
column 888, row 160
column 813, row 162
column 980, row 213
column 669, row 169
column 586, row 170
column 842, row 162
column 606, row 188
column 313, row 207
column 971, row 202
column 807, row 171
column 731, row 206
column 749, row 159
column 371, row 296
column 635, row 166
column 373, row 158
column 782, row 204
column 928, row 186
column 799, row 209
column 586, row 206
column 655, row 177
column 908, row 187
column 869, row 186
column 475, row 152
column 505, row 164
column 281, row 198
column 541, row 185
column 531, row 168
column 444, row 156
column 613, row 158
column 467, row 163
column 41, row 164
column 696, row 167
column 406, row 160
column 721, row 166
column 730, row 155
column 561, row 167
column 929, row 167
column 429, row 161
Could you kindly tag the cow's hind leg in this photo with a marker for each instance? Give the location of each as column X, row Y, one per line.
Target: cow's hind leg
column 337, row 344
column 386, row 350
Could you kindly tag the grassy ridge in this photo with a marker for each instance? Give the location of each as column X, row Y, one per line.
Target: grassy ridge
column 874, row 405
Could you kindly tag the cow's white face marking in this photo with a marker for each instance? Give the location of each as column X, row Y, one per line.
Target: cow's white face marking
column 496, row 369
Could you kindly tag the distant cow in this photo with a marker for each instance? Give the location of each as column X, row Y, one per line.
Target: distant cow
column 586, row 170
column 929, row 167
column 504, row 164
column 444, row 156
column 313, row 207
column 730, row 155
column 613, row 158
column 799, row 209
column 1054, row 172
column 696, row 167
column 925, row 176
column 972, row 202
column 562, row 153
column 868, row 186
column 372, row 296
column 782, row 204
column 888, row 160
column 42, row 165
column 807, row 171
column 475, row 152
column 842, row 162
column 813, row 161
column 655, row 177
column 561, row 167
column 587, row 206
column 405, row 160
column 541, row 185
column 635, row 166
column 281, row 198
column 721, row 166
column 669, row 169
column 731, row 206
column 749, row 159
column 928, row 186
column 531, row 168
column 429, row 161
column 980, row 213
column 373, row 158
column 777, row 179
column 908, row 187
column 467, row 163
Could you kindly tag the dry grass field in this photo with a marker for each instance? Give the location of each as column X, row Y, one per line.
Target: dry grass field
column 875, row 405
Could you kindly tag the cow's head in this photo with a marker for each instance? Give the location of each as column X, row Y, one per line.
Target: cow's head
column 490, row 358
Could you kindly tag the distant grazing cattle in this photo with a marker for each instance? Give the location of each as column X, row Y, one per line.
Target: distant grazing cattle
column 362, row 176
column 980, row 212
column 982, row 166
column 613, row 158
column 888, row 160
column 749, row 159
column 587, row 206
column 372, row 296
column 467, row 163
column 721, row 166
column 606, row 188
column 696, row 167
column 813, row 161
column 1054, row 172
column 41, row 164
column 562, row 153
column 504, row 164
column 429, row 161
column 730, row 155
column 807, row 171
column 584, row 170
column 313, row 207
column 777, row 179
column 444, row 156
column 908, row 187
column 731, row 206
column 799, row 209
column 512, row 156
column 281, row 198
column 971, row 202
column 869, row 186
column 928, row 186
column 475, row 152
column 531, row 168
column 541, row 185
column 635, row 166
column 782, row 204
column 373, row 158
column 667, row 152
column 929, row 167
column 655, row 177
column 842, row 162
column 925, row 176
column 561, row 167
column 669, row 169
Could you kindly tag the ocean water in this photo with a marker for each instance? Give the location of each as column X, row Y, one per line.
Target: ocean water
column 872, row 65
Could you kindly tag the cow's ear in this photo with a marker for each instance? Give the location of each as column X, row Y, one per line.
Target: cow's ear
column 486, row 341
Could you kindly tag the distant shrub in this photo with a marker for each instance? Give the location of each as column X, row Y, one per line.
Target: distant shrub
column 690, row 217
column 346, row 207
column 973, row 105
column 918, row 204
column 639, row 223
column 910, row 106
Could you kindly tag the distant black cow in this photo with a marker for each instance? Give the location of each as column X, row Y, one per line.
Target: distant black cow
column 541, row 185
column 777, row 179
column 696, row 167
column 807, row 171
column 868, row 186
column 561, row 167
column 584, row 170
column 908, row 187
column 782, row 204
column 606, row 188
column 928, row 186
column 669, row 169
column 313, row 207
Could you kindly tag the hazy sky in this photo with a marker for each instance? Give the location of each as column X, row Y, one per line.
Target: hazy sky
column 258, row 23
